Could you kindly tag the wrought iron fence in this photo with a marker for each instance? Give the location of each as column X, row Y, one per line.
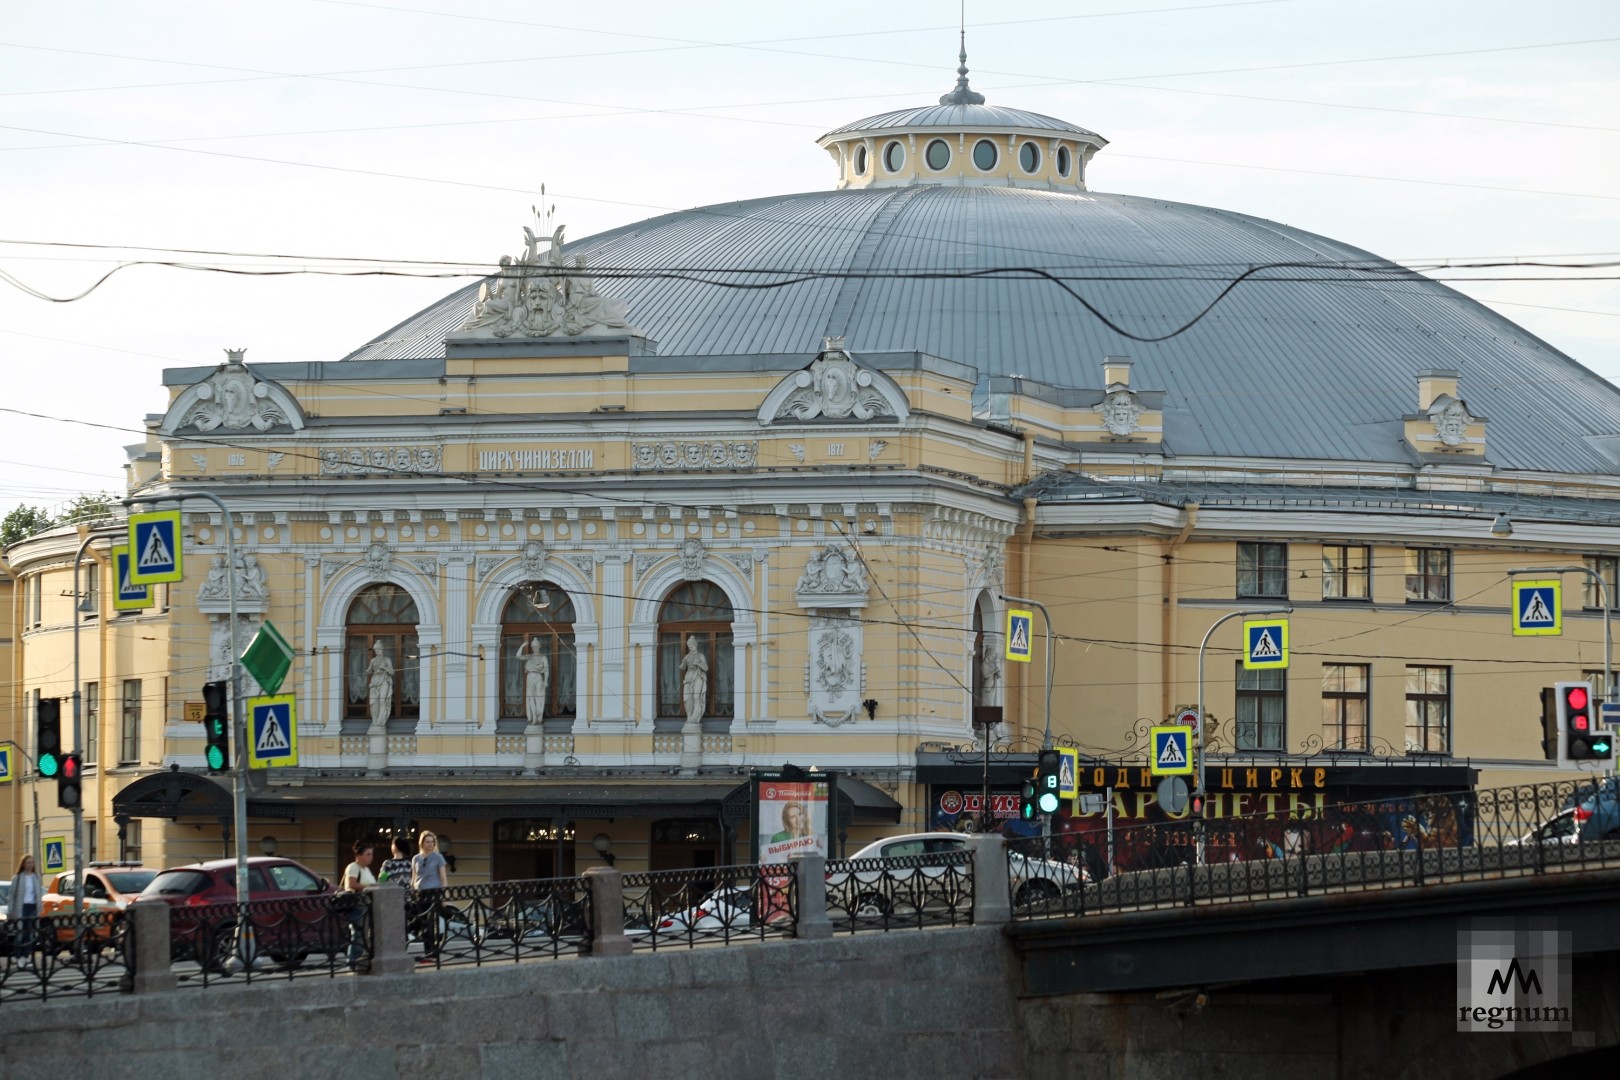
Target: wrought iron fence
column 683, row 908
column 1383, row 843
column 501, row 922
column 65, row 955
column 285, row 938
column 935, row 889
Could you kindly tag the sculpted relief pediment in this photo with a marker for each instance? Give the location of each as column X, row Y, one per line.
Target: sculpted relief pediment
column 835, row 387
column 233, row 399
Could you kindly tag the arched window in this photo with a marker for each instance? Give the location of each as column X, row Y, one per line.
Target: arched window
column 986, row 660
column 385, row 615
column 697, row 611
column 538, row 612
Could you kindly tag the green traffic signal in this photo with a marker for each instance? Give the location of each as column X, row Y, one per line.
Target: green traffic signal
column 1048, row 802
column 49, row 764
column 1027, row 809
column 216, row 732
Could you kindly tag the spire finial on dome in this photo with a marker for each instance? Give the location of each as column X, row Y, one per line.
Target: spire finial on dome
column 962, row 95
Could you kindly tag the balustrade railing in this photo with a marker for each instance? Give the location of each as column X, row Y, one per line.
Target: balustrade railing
column 907, row 891
column 500, row 922
column 668, row 908
column 283, row 938
column 1382, row 843
column 64, row 955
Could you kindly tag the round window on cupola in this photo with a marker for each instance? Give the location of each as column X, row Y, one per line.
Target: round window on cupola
column 984, row 154
column 1029, row 157
column 860, row 161
column 937, row 155
column 1063, row 161
column 894, row 156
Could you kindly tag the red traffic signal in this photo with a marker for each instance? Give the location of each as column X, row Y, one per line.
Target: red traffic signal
column 1574, row 709
column 70, row 781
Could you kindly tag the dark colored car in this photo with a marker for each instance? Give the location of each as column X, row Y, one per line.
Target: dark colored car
column 290, row 916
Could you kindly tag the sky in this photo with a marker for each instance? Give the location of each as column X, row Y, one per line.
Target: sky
column 210, row 137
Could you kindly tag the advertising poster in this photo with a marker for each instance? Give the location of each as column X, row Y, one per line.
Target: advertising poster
column 792, row 818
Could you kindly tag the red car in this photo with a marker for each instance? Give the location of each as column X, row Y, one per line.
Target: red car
column 290, row 913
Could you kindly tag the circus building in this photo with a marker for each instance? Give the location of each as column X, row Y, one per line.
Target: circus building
column 568, row 556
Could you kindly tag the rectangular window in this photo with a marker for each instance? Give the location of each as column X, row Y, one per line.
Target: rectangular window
column 32, row 736
column 1344, row 706
column 1600, row 689
column 36, row 615
column 129, row 842
column 1608, row 568
column 129, row 741
column 92, row 725
column 91, row 583
column 1346, row 572
column 1261, row 709
column 1262, row 570
column 1428, row 710
column 1428, row 575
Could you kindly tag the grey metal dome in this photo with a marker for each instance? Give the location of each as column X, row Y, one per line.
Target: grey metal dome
column 1303, row 362
column 966, row 117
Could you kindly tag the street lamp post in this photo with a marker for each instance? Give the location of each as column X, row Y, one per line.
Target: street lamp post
column 1046, row 739
column 79, row 598
column 1604, row 598
column 1203, row 723
column 238, row 720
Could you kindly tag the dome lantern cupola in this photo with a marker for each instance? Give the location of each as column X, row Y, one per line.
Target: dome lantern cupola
column 962, row 141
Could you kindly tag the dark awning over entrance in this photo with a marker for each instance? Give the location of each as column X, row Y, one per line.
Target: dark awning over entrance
column 600, row 801
column 173, row 794
column 857, row 801
column 182, row 794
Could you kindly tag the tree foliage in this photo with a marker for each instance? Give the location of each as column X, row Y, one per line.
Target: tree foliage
column 23, row 522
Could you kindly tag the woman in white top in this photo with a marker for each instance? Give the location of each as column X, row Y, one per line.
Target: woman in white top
column 23, row 908
column 357, row 877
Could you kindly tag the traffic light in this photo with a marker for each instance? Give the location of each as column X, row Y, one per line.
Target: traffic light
column 1550, row 731
column 69, row 795
column 1027, row 810
column 1575, row 713
column 48, row 736
column 1598, row 746
column 1047, row 781
column 1195, row 805
column 216, row 728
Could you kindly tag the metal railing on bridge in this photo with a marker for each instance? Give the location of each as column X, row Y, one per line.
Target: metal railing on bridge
column 154, row 945
column 1387, row 843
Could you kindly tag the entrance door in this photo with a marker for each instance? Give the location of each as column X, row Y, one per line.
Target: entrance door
column 530, row 848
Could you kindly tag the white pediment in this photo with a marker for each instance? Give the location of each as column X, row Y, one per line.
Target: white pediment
column 232, row 399
column 834, row 387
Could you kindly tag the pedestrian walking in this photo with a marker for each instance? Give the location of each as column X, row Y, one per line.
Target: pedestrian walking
column 428, row 879
column 22, row 908
column 357, row 877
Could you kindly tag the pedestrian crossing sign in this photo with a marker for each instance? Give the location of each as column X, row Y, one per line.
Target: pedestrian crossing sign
column 1538, row 608
column 154, row 547
column 1068, row 773
column 55, row 854
column 272, row 731
column 5, row 765
column 1172, row 750
column 128, row 596
column 1020, row 632
column 1265, row 644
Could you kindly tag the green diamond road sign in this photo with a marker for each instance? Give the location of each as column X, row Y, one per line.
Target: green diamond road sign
column 268, row 657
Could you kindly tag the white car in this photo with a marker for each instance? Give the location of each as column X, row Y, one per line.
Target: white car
column 1033, row 880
